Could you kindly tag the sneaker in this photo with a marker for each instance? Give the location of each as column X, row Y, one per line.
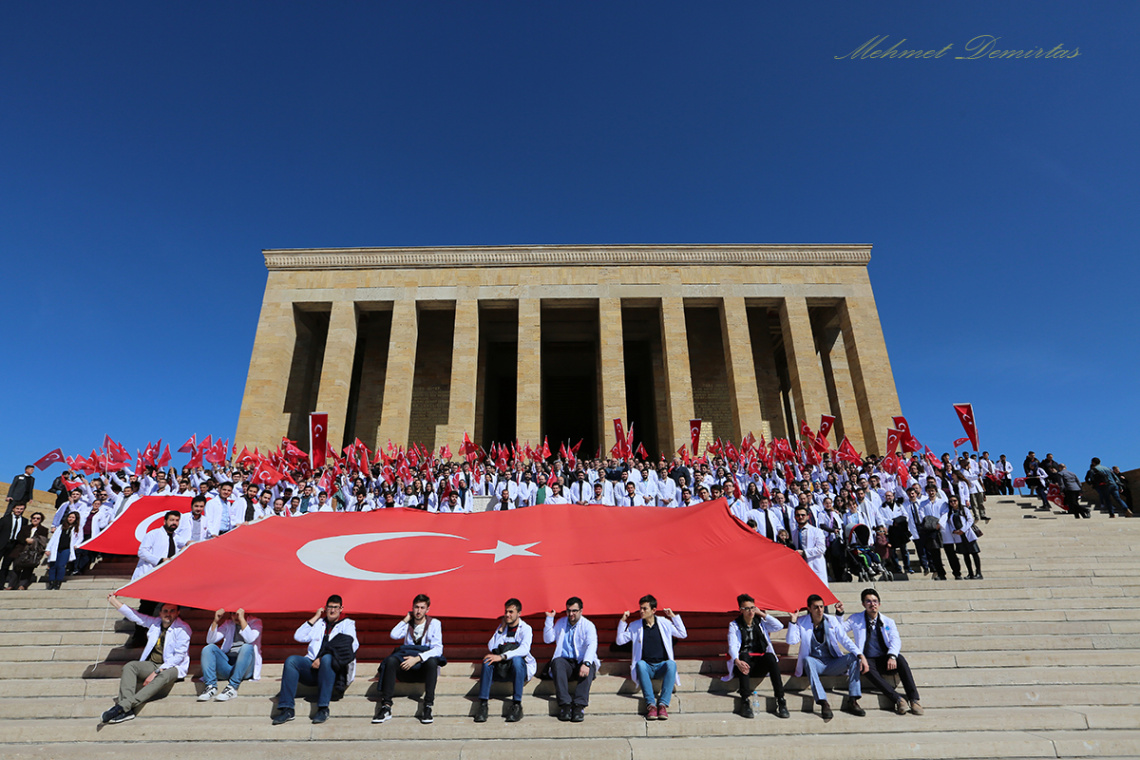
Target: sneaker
column 123, row 716
column 901, row 707
column 227, row 694
column 782, row 708
column 825, row 711
column 514, row 712
column 851, row 705
column 916, row 708
column 425, row 715
column 383, row 714
column 746, row 708
column 208, row 694
column 283, row 715
column 662, row 712
column 565, row 712
column 322, row 715
column 114, row 712
column 578, row 714
column 651, row 713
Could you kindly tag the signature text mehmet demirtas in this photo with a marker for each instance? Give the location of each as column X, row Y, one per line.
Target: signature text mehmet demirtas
column 982, row 46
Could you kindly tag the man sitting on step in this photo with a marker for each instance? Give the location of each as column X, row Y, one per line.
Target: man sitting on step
column 233, row 651
column 575, row 641
column 820, row 638
column 331, row 659
column 652, row 638
column 165, row 660
column 750, row 648
column 881, row 651
column 509, row 660
column 418, row 659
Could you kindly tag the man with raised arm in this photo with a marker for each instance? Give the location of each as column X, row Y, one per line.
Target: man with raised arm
column 877, row 637
column 164, row 661
column 821, row 639
column 331, row 657
column 575, row 641
column 652, row 638
column 750, row 652
column 418, row 658
column 233, row 651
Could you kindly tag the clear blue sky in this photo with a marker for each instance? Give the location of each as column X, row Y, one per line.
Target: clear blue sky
column 151, row 150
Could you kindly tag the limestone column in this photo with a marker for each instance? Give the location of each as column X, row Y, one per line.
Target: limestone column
column 844, row 403
column 678, row 379
column 768, row 377
column 612, row 343
column 464, row 374
column 804, row 371
column 336, row 371
column 395, row 418
column 870, row 368
column 528, row 397
column 263, row 419
column 745, row 395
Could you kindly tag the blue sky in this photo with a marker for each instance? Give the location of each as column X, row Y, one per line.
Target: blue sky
column 149, row 151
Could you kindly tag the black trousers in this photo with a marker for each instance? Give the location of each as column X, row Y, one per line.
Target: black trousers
column 563, row 669
column 952, row 558
column 1073, row 503
column 932, row 540
column 760, row 666
column 876, row 666
column 390, row 672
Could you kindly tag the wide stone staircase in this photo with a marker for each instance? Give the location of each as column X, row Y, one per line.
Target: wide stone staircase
column 1038, row 660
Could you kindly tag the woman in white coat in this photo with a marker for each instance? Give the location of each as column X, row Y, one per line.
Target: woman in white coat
column 960, row 526
column 61, row 549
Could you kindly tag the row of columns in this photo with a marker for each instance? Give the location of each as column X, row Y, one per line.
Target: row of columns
column 756, row 401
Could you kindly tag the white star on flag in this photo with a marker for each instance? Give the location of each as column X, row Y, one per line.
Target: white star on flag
column 504, row 550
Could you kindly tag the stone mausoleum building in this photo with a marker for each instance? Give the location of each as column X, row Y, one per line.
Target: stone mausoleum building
column 506, row 342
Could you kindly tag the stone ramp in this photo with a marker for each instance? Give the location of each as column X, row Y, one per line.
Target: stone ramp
column 1038, row 660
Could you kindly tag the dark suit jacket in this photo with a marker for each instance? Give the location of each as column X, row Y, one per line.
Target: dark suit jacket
column 6, row 542
column 20, row 491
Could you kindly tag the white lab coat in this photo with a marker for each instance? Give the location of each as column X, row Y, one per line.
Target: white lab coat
column 223, row 637
column 585, row 638
column 523, row 637
column 813, row 542
column 801, row 633
column 314, row 634
column 635, row 632
column 770, row 625
column 176, row 647
column 153, row 549
column 856, row 627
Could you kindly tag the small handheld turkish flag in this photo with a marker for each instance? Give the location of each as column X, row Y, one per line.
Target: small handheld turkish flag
column 969, row 424
column 189, row 446
column 902, row 426
column 619, row 433
column 893, row 438
column 49, row 459
column 318, row 437
column 959, row 441
column 695, row 434
column 825, row 423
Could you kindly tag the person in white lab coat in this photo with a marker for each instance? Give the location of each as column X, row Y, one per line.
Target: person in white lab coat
column 326, row 634
column 509, row 644
column 652, row 638
column 825, row 649
column 165, row 660
column 233, row 651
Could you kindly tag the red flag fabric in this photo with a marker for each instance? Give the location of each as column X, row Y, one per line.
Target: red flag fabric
column 545, row 448
column 848, row 453
column 164, row 460
column 49, row 459
column 695, row 435
column 265, row 473
column 959, row 441
column 619, row 433
column 318, row 438
column 969, row 424
column 1019, row 482
column 910, row 444
column 825, row 423
column 893, row 438
column 902, row 426
column 1053, row 493
column 379, row 560
column 207, row 443
column 641, row 452
column 189, row 446
column 126, row 531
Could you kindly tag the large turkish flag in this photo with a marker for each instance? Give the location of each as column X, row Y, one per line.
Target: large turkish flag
column 126, row 532
column 695, row 559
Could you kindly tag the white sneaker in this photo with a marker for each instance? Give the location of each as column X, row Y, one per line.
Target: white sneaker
column 208, row 694
column 227, row 694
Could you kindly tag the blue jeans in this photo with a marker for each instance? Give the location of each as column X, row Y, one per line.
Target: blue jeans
column 647, row 671
column 58, row 569
column 848, row 664
column 300, row 669
column 217, row 664
column 1110, row 497
column 518, row 668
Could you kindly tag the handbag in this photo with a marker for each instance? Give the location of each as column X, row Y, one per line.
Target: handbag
column 503, row 668
column 930, row 523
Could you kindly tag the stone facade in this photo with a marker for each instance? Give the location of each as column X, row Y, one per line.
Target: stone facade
column 410, row 344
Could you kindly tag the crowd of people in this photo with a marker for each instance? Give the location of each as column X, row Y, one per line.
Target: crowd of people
column 858, row 520
column 864, row 644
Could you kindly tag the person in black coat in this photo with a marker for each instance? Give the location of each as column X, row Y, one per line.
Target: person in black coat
column 20, row 492
column 10, row 526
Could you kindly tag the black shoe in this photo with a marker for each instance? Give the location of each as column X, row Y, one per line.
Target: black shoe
column 970, row 577
column 825, row 711
column 383, row 713
column 481, row 711
column 746, row 708
column 322, row 715
column 515, row 713
column 578, row 714
column 111, row 714
column 564, row 713
column 782, row 708
column 979, row 577
column 851, row 705
column 283, row 715
column 425, row 715
column 123, row 716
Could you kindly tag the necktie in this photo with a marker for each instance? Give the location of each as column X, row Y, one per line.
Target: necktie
column 170, row 551
column 249, row 513
column 768, row 528
column 570, row 638
column 800, row 539
column 87, row 525
column 879, row 632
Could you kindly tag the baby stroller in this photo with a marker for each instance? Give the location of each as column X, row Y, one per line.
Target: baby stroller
column 863, row 562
